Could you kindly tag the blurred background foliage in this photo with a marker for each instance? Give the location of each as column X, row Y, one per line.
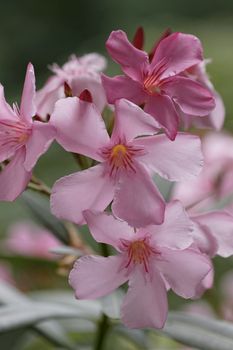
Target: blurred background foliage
column 45, row 32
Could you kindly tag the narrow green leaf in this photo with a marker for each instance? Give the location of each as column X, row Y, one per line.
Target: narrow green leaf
column 199, row 332
column 51, row 330
column 39, row 207
column 24, row 315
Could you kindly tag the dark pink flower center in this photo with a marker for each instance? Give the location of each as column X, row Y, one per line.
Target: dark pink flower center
column 153, row 79
column 138, row 252
column 151, row 84
column 121, row 156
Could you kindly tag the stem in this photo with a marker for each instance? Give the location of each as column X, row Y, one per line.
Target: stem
column 42, row 188
column 104, row 249
column 102, row 330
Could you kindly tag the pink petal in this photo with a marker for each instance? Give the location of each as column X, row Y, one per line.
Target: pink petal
column 204, row 240
column 137, row 200
column 39, row 141
column 217, row 115
column 178, row 51
column 27, row 106
column 184, row 270
column 131, row 121
column 94, row 86
column 145, row 304
column 107, row 229
column 192, row 97
column 93, row 61
column 123, row 87
column 6, row 112
column 174, row 160
column 94, row 276
column 80, row 127
column 205, row 284
column 220, row 224
column 215, row 119
column 163, row 110
column 88, row 189
column 132, row 60
column 14, row 178
column 175, row 231
column 49, row 94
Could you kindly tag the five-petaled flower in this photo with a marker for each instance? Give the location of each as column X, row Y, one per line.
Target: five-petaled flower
column 126, row 162
column 161, row 84
column 22, row 140
column 79, row 73
column 152, row 259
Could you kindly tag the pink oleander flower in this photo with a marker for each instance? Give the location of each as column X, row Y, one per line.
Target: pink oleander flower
column 22, row 140
column 216, row 117
column 159, row 84
column 126, row 162
column 152, row 259
column 27, row 239
column 215, row 180
column 212, row 235
column 79, row 73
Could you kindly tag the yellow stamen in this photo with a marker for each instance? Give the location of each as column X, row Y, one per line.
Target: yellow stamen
column 23, row 137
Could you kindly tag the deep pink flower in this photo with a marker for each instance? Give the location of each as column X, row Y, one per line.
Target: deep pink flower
column 22, row 140
column 125, row 162
column 215, row 119
column 152, row 259
column 79, row 73
column 159, row 84
column 24, row 238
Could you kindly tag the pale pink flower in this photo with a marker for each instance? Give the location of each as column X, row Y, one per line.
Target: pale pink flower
column 6, row 274
column 126, row 162
column 213, row 233
column 216, row 117
column 27, row 239
column 151, row 259
column 215, row 182
column 79, row 73
column 22, row 140
column 159, row 84
column 201, row 307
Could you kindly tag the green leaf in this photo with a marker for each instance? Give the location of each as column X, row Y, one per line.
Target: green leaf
column 199, row 332
column 51, row 330
column 10, row 340
column 84, row 309
column 17, row 316
column 39, row 207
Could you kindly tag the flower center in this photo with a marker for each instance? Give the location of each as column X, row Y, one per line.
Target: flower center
column 13, row 134
column 121, row 157
column 151, row 84
column 138, row 252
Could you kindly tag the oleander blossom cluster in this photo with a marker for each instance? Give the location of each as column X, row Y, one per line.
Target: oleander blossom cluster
column 159, row 244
